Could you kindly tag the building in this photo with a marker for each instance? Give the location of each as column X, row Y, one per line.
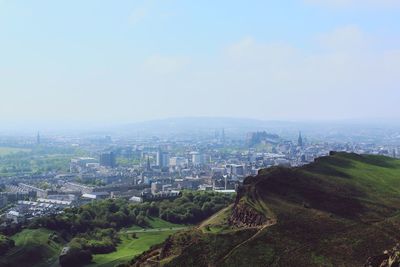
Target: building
column 29, row 188
column 235, row 169
column 96, row 195
column 38, row 138
column 178, row 162
column 14, row 216
column 162, row 159
column 80, row 164
column 3, row 201
column 75, row 187
column 108, row 159
column 136, row 199
column 197, row 158
column 156, row 187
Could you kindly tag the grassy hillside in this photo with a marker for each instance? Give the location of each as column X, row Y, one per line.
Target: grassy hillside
column 337, row 211
column 32, row 248
column 130, row 247
column 157, row 231
column 36, row 247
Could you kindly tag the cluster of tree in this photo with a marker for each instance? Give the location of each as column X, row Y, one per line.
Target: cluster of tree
column 104, row 214
column 75, row 256
column 99, row 241
column 37, row 160
column 92, row 228
column 191, row 208
column 5, row 244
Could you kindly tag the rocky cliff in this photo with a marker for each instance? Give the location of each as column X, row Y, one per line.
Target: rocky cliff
column 389, row 258
column 245, row 216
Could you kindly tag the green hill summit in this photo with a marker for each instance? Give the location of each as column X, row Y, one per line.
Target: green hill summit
column 338, row 211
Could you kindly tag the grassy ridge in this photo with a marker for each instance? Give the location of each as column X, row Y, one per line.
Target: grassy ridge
column 337, row 211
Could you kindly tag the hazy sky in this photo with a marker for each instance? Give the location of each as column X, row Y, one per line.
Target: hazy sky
column 122, row 61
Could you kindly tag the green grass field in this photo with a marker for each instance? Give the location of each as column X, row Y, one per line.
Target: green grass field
column 11, row 150
column 32, row 248
column 130, row 247
column 154, row 223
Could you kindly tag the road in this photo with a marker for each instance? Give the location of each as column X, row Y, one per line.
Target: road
column 154, row 230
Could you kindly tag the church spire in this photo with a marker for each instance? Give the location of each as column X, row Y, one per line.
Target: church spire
column 300, row 140
column 38, row 138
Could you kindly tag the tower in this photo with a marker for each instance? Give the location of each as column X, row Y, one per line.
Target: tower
column 148, row 167
column 300, row 140
column 162, row 159
column 38, row 138
column 108, row 159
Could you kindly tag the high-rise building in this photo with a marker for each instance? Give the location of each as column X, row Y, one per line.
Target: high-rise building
column 38, row 138
column 148, row 165
column 108, row 159
column 162, row 159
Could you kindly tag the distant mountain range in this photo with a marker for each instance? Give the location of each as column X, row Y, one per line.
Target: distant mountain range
column 368, row 131
column 207, row 125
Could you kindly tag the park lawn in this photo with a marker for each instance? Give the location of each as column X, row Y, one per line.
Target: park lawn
column 11, row 150
column 154, row 222
column 130, row 247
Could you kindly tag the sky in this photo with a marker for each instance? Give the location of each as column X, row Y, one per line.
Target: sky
column 127, row 61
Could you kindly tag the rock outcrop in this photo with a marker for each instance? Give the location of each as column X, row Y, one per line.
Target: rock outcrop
column 389, row 258
column 245, row 216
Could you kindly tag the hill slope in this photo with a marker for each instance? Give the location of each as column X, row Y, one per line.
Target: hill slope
column 33, row 247
column 337, row 211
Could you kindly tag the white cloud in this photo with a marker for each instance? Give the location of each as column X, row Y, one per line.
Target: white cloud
column 158, row 64
column 348, row 38
column 344, row 73
column 344, row 62
column 355, row 3
column 342, row 78
column 138, row 14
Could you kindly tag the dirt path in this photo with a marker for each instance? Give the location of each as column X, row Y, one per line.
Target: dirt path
column 209, row 219
column 268, row 224
column 154, row 230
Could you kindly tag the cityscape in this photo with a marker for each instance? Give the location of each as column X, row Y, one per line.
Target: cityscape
column 149, row 169
column 172, row 133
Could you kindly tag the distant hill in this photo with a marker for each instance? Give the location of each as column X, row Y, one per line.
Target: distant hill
column 337, row 211
column 201, row 125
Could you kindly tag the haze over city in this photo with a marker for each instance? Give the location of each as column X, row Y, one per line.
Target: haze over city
column 78, row 62
column 167, row 133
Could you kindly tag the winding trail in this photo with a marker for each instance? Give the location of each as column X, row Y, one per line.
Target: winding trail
column 261, row 229
column 154, row 230
column 215, row 215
